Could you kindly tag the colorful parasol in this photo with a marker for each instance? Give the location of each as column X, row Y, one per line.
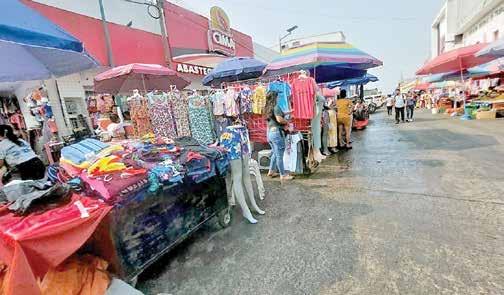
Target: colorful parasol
column 455, row 60
column 327, row 61
column 146, row 77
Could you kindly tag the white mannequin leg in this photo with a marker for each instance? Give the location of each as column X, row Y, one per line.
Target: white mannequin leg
column 256, row 172
column 247, row 183
column 236, row 174
column 229, row 190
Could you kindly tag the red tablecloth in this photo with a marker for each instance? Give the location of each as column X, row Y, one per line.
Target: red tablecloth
column 31, row 244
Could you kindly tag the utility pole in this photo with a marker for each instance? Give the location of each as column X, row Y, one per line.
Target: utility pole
column 110, row 56
column 164, row 35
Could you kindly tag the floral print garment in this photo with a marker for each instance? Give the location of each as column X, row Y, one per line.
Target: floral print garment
column 180, row 107
column 161, row 117
column 139, row 111
column 236, row 141
column 200, row 121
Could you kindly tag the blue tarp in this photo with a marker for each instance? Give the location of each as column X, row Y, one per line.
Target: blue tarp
column 32, row 47
column 355, row 81
column 234, row 69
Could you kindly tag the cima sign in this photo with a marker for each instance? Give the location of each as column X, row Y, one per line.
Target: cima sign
column 220, row 36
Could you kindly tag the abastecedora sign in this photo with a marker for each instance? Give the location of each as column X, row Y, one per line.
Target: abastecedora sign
column 193, row 69
column 220, row 36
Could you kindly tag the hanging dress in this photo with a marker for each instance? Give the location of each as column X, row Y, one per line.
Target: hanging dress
column 200, row 121
column 303, row 97
column 162, row 117
column 139, row 111
column 180, row 107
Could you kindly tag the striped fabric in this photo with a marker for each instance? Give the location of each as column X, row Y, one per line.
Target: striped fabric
column 324, row 53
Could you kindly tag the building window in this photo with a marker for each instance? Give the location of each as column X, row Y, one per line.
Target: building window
column 496, row 35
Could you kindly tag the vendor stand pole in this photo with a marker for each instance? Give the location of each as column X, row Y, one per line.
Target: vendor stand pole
column 466, row 115
column 143, row 83
column 110, row 56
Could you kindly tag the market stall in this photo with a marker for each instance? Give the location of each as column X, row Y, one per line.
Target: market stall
column 298, row 75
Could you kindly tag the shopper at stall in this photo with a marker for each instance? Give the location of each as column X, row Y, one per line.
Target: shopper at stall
column 345, row 110
column 17, row 153
column 399, row 104
column 276, row 136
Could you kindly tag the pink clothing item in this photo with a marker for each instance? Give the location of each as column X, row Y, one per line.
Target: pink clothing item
column 303, row 97
column 116, row 184
column 326, row 92
column 230, row 104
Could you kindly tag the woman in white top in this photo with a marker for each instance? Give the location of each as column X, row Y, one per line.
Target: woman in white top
column 16, row 153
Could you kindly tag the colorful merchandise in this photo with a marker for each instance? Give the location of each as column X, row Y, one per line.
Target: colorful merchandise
column 259, row 100
column 284, row 92
column 236, row 141
column 303, row 97
column 230, row 104
column 200, row 120
column 161, row 117
column 180, row 108
column 139, row 112
column 218, row 104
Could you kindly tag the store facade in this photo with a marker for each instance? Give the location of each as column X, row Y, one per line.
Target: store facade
column 196, row 44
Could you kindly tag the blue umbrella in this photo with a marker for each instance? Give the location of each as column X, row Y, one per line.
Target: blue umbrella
column 234, row 69
column 494, row 49
column 33, row 48
column 355, row 81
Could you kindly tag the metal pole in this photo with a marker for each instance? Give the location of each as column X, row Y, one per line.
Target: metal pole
column 280, row 44
column 164, row 35
column 110, row 56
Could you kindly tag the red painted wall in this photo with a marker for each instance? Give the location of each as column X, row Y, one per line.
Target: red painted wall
column 187, row 31
column 128, row 45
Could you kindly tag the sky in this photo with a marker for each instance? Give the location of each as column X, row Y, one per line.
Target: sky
column 395, row 31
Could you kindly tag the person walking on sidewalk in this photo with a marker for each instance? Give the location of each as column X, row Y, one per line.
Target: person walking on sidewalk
column 390, row 104
column 400, row 103
column 411, row 101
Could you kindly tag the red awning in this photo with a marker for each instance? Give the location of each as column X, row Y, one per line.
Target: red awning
column 455, row 60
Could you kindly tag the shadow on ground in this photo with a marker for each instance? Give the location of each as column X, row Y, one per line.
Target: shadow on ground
column 304, row 243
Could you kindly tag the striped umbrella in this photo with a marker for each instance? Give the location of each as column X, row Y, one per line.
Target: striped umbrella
column 327, row 61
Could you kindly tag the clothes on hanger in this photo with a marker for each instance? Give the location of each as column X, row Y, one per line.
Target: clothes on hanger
column 303, row 97
column 259, row 100
column 180, row 108
column 218, row 103
column 200, row 120
column 316, row 123
column 291, row 151
column 284, row 92
column 139, row 112
column 245, row 100
column 230, row 103
column 161, row 116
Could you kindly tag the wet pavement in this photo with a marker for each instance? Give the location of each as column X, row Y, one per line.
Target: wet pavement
column 415, row 208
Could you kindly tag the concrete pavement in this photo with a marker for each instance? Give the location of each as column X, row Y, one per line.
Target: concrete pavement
column 415, row 208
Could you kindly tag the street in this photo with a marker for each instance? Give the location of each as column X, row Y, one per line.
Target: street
column 415, row 208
